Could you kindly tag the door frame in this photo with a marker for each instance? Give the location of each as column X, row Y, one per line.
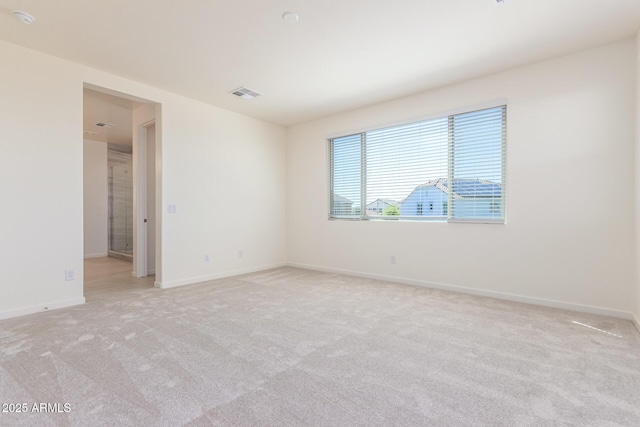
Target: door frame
column 140, row 240
column 153, row 115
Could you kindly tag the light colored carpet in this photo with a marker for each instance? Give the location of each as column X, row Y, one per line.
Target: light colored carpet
column 296, row 347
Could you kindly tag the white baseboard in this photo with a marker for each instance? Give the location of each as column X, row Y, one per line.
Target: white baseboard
column 636, row 322
column 200, row 279
column 480, row 292
column 40, row 308
column 100, row 255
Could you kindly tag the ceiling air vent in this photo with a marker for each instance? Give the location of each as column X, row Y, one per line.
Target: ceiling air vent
column 245, row 93
column 105, row 125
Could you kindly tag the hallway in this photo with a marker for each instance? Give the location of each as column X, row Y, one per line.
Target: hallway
column 106, row 276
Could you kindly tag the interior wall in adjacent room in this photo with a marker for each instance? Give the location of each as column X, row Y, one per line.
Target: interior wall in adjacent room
column 95, row 193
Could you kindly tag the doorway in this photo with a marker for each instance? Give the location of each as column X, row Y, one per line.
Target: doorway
column 120, row 184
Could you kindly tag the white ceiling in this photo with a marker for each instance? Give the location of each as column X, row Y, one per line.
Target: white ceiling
column 339, row 56
column 99, row 107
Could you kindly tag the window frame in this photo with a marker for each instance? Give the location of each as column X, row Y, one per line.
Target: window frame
column 448, row 219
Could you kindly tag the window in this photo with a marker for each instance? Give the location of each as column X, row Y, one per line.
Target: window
column 449, row 168
column 346, row 178
column 494, row 207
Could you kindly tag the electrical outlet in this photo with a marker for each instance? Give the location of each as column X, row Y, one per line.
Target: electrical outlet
column 69, row 275
column 240, row 253
column 392, row 259
column 207, row 258
column 172, row 209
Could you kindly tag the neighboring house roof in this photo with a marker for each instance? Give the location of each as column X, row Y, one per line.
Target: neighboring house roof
column 464, row 188
column 339, row 199
column 377, row 206
column 383, row 201
column 468, row 188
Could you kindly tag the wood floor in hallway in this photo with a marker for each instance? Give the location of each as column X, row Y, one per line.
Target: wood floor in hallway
column 106, row 276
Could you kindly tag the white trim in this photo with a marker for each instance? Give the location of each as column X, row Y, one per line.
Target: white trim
column 100, row 255
column 158, row 191
column 636, row 322
column 480, row 292
column 7, row 314
column 200, row 279
column 140, row 201
column 502, row 221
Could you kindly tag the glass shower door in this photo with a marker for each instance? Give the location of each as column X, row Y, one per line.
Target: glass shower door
column 121, row 209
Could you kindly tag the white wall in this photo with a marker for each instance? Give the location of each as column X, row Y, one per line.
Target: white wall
column 570, row 171
column 637, row 192
column 213, row 162
column 228, row 184
column 41, row 115
column 95, row 191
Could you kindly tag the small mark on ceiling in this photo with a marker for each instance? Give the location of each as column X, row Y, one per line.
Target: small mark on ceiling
column 290, row 17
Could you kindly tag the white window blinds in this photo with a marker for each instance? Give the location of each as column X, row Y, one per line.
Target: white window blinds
column 477, row 164
column 447, row 168
column 346, row 177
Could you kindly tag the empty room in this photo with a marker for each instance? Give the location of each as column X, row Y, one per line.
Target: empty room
column 283, row 212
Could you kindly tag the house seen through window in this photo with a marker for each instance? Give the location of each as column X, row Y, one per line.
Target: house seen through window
column 447, row 168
